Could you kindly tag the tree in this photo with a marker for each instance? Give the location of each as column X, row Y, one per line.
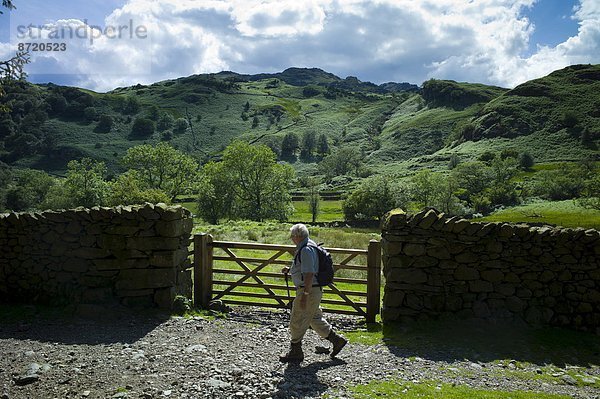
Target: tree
column 526, row 161
column 129, row 188
column 564, row 183
column 142, row 127
column 153, row 113
column 436, row 190
column 371, row 200
column 309, row 142
column 27, row 189
column 423, row 187
column 165, row 122
column 217, row 195
column 570, row 119
column 310, row 91
column 7, row 4
column 181, row 125
column 90, row 114
column 313, row 198
column 105, row 124
column 322, row 145
column 162, row 167
column 262, row 186
column 453, row 162
column 255, row 122
column 472, row 177
column 342, row 162
column 130, row 105
column 83, row 186
column 590, row 195
column 502, row 170
column 289, row 145
column 57, row 102
column 12, row 70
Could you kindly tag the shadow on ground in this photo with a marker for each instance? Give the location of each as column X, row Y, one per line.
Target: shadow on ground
column 302, row 381
column 486, row 341
column 64, row 325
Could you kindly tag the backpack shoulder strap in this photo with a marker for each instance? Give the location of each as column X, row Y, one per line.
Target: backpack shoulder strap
column 297, row 257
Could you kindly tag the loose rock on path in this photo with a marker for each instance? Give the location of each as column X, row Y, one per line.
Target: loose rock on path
column 234, row 357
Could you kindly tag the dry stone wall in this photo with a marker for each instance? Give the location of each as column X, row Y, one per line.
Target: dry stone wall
column 128, row 255
column 438, row 265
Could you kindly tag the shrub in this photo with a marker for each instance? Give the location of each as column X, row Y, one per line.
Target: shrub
column 105, row 124
column 487, row 156
column 570, row 119
column 509, row 153
column 502, row 194
column 310, row 91
column 181, row 125
column 526, row 161
column 590, row 197
column 371, row 200
column 289, row 145
column 142, row 127
column 58, row 104
column 165, row 122
column 129, row 188
column 560, row 184
column 167, row 136
column 453, row 162
column 90, row 114
column 130, row 105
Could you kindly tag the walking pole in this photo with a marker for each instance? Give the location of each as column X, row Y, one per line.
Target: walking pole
column 287, row 284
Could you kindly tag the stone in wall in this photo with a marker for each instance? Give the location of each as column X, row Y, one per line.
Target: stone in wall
column 129, row 255
column 436, row 265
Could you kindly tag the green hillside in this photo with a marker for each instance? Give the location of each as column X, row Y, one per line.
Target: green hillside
column 394, row 127
column 568, row 99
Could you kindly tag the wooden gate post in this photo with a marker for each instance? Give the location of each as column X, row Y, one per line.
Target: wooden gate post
column 373, row 280
column 203, row 266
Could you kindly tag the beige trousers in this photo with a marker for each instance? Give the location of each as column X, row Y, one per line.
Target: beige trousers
column 311, row 315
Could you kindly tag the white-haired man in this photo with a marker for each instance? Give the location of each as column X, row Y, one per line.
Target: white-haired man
column 306, row 310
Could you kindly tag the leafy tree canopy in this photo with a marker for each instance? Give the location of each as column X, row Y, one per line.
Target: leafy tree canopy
column 163, row 167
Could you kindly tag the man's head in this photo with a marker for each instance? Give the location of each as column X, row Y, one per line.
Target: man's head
column 298, row 232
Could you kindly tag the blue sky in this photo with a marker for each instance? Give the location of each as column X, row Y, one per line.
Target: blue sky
column 500, row 42
column 553, row 22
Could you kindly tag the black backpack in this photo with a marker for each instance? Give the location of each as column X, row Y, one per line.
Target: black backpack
column 325, row 274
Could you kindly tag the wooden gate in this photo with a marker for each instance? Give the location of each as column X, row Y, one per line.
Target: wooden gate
column 251, row 279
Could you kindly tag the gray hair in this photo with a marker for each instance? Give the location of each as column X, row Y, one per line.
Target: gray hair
column 299, row 230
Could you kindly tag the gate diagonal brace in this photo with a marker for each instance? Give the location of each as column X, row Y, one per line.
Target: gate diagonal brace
column 347, row 300
column 251, row 273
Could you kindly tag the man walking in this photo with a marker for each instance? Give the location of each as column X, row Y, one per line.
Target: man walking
column 306, row 310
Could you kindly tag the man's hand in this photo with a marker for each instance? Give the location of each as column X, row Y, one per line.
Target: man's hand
column 285, row 270
column 303, row 301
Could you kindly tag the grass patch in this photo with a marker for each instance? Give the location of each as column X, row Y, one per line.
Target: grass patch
column 483, row 341
column 329, row 211
column 560, row 213
column 433, row 389
column 548, row 373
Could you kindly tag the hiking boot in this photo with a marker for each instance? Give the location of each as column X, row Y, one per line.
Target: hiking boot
column 295, row 354
column 338, row 343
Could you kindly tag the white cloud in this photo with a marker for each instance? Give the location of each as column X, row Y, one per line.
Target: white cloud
column 378, row 40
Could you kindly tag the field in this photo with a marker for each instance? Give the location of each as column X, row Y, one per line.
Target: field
column 330, row 211
column 560, row 213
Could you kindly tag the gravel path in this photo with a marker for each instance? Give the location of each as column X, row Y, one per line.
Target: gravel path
column 153, row 357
